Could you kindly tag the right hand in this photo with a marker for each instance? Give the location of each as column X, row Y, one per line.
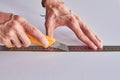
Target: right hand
column 13, row 32
column 58, row 14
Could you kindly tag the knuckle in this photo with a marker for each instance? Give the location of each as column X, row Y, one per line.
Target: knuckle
column 17, row 17
column 71, row 20
column 34, row 30
column 10, row 34
column 88, row 30
column 82, row 36
column 11, row 26
column 24, row 24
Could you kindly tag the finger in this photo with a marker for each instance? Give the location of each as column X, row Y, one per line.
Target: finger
column 21, row 36
column 20, row 32
column 0, row 38
column 50, row 24
column 86, row 28
column 32, row 30
column 25, row 41
column 80, row 34
column 16, row 41
column 98, row 38
column 50, row 27
column 8, row 43
column 91, row 35
column 13, row 38
column 6, row 40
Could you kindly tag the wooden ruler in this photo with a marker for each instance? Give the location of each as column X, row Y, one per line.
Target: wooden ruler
column 70, row 49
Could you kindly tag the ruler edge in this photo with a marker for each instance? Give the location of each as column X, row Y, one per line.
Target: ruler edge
column 90, row 50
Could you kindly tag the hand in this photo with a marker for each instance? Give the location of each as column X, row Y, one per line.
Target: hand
column 59, row 15
column 13, row 30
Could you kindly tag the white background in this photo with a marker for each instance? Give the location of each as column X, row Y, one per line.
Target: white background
column 102, row 16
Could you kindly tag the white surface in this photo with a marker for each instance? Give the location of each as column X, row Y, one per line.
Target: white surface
column 101, row 15
column 59, row 66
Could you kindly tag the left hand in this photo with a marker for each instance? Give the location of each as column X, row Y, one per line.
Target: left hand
column 59, row 15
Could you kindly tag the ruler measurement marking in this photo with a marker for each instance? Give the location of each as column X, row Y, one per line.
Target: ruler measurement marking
column 71, row 48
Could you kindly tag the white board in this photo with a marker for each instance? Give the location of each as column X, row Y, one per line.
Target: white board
column 102, row 16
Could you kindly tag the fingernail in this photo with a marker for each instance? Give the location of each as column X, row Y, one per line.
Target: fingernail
column 100, row 46
column 95, row 48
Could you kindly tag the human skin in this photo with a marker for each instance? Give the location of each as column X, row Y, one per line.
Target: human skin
column 58, row 14
column 13, row 29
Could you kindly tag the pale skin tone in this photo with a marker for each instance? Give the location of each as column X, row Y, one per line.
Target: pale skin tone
column 57, row 15
column 13, row 33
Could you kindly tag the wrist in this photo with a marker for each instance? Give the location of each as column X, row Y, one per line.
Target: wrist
column 51, row 3
column 4, row 17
